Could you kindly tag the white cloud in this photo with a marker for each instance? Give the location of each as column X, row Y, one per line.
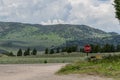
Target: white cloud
column 96, row 13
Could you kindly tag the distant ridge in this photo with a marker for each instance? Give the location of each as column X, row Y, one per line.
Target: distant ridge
column 14, row 35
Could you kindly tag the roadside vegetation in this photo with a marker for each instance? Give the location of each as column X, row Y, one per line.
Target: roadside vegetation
column 109, row 66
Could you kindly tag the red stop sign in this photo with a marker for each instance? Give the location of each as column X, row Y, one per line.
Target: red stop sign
column 87, row 48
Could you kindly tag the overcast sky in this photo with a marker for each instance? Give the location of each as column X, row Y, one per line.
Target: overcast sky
column 95, row 13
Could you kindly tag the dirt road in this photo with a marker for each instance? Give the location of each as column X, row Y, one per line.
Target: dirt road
column 39, row 72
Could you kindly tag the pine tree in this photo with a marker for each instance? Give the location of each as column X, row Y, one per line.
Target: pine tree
column 97, row 48
column 112, row 47
column 69, row 50
column 28, row 52
column 117, row 8
column 73, row 48
column 58, row 50
column 19, row 53
column 51, row 51
column 107, row 48
column 46, row 51
column 81, row 50
column 64, row 49
column 34, row 52
column 118, row 48
column 11, row 54
column 25, row 53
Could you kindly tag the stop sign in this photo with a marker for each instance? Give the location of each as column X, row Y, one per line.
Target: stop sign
column 87, row 48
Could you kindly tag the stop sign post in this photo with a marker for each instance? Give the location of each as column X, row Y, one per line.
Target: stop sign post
column 87, row 49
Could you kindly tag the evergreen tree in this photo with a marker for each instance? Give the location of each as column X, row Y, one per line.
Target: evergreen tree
column 58, row 50
column 25, row 53
column 11, row 54
column 97, row 48
column 46, row 51
column 28, row 52
column 81, row 50
column 112, row 47
column 118, row 48
column 73, row 48
column 51, row 51
column 117, row 8
column 69, row 50
column 64, row 49
column 106, row 48
column 34, row 52
column 93, row 48
column 19, row 53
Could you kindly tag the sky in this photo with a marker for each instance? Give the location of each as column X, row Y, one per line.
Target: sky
column 95, row 13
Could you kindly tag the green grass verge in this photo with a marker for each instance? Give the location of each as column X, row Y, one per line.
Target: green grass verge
column 109, row 67
column 37, row 60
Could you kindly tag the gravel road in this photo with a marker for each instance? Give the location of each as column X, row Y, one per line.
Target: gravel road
column 39, row 72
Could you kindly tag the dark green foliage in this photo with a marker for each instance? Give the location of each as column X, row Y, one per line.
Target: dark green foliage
column 117, row 8
column 112, row 47
column 118, row 48
column 95, row 48
column 34, row 52
column 74, row 48
column 11, row 54
column 45, row 61
column 25, row 53
column 108, row 48
column 52, row 51
column 81, row 50
column 46, row 51
column 64, row 49
column 58, row 50
column 69, row 49
column 28, row 51
column 19, row 53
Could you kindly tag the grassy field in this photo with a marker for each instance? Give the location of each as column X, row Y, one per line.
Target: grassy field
column 109, row 66
column 42, row 58
column 34, row 60
column 49, row 58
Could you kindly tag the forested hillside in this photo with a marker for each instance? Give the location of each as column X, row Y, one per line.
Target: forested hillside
column 18, row 35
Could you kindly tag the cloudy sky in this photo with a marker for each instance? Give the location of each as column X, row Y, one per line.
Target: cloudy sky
column 95, row 13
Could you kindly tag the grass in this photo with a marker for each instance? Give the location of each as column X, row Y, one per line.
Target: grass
column 37, row 60
column 109, row 67
column 50, row 58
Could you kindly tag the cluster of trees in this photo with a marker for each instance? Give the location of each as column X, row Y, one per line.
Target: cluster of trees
column 58, row 50
column 95, row 49
column 10, row 54
column 27, row 52
column 105, row 48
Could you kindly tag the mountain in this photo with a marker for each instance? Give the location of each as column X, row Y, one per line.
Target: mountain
column 15, row 35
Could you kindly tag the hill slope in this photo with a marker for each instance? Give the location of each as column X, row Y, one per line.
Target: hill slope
column 18, row 35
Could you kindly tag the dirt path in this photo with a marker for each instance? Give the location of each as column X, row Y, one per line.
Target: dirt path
column 38, row 72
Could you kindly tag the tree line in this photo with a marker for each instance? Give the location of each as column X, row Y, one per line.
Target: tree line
column 96, row 48
column 27, row 52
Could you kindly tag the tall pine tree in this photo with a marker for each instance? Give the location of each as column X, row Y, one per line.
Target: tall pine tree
column 34, row 52
column 46, row 51
column 19, row 53
column 117, row 8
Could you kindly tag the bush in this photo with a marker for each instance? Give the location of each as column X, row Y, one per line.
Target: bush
column 45, row 61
